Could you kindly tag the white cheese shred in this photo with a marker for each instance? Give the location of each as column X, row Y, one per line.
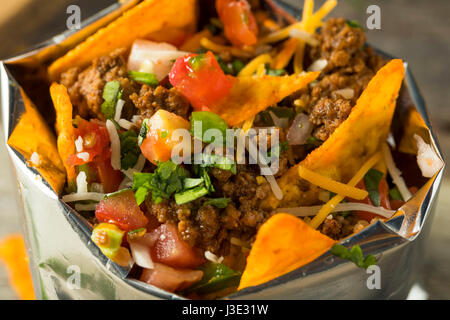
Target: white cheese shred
column 119, row 106
column 79, row 144
column 427, row 159
column 125, row 124
column 395, row 173
column 94, row 196
column 83, row 156
column 115, row 144
column 82, row 185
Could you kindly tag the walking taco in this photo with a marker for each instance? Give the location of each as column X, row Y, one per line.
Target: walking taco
column 144, row 111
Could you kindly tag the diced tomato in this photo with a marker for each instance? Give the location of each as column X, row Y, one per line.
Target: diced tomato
column 383, row 189
column 95, row 141
column 170, row 279
column 171, row 249
column 200, row 79
column 109, row 178
column 158, row 145
column 239, row 22
column 396, row 204
column 122, row 210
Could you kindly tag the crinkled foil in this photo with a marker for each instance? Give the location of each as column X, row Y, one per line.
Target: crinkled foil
column 65, row 263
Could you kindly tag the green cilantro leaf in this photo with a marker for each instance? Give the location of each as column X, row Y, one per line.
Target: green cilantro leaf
column 111, row 94
column 143, row 131
column 354, row 254
column 129, row 149
column 354, row 24
column 372, row 181
column 224, row 163
column 144, row 77
column 394, row 194
column 208, row 120
column 191, row 194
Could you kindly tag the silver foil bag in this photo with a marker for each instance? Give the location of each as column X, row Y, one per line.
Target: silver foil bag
column 65, row 264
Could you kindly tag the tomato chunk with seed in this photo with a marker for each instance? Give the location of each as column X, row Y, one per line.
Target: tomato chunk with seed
column 239, row 22
column 200, row 79
column 170, row 279
column 121, row 210
column 160, row 139
column 170, row 248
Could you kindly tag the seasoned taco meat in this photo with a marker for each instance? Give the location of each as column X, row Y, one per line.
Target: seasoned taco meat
column 85, row 87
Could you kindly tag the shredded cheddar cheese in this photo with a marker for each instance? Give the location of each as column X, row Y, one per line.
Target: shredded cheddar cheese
column 210, row 45
column 330, row 205
column 253, row 65
column 284, row 56
column 331, row 185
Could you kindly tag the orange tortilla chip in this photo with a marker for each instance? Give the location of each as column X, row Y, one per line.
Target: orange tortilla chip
column 351, row 144
column 141, row 21
column 283, row 243
column 414, row 124
column 251, row 95
column 64, row 127
column 14, row 255
column 32, row 136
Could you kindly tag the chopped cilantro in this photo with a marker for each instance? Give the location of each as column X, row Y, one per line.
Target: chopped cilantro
column 372, row 181
column 196, row 62
column 129, row 149
column 394, row 194
column 189, row 183
column 167, row 179
column 144, row 77
column 314, row 141
column 111, row 94
column 224, row 163
column 354, row 254
column 238, row 65
column 275, row 72
column 216, row 276
column 164, row 134
column 143, row 131
column 354, row 24
column 218, row 202
column 208, row 120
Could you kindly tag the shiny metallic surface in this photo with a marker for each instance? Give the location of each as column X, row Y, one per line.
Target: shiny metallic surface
column 58, row 238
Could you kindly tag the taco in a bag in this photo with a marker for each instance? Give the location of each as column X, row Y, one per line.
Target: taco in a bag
column 225, row 157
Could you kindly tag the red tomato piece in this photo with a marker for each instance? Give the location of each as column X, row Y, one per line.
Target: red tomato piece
column 200, row 79
column 170, row 279
column 122, row 210
column 239, row 22
column 383, row 189
column 171, row 250
column 109, row 178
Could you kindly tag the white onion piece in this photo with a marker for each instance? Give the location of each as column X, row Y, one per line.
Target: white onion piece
column 140, row 163
column 395, row 173
column 115, row 144
column 125, row 124
column 304, row 36
column 153, row 57
column 97, row 187
column 212, row 257
column 318, row 65
column 349, row 206
column 140, row 250
column 94, row 196
column 300, row 130
column 119, row 106
column 427, row 159
column 83, row 156
column 279, row 122
column 82, row 185
column 85, row 207
column 347, row 93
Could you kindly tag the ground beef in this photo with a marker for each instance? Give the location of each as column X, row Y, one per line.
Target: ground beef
column 350, row 65
column 149, row 100
column 339, row 226
column 85, row 87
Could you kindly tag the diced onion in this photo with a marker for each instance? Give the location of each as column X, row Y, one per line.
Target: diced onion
column 94, row 196
column 135, row 119
column 349, row 206
column 115, row 144
column 395, row 173
column 279, row 122
column 347, row 93
column 304, row 36
column 83, row 156
column 79, row 144
column 300, row 130
column 427, row 159
column 119, row 106
column 82, row 185
column 239, row 242
column 140, row 251
column 318, row 65
column 212, row 257
column 85, row 207
column 125, row 124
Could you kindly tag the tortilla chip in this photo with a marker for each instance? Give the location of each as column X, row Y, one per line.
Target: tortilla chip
column 351, row 144
column 64, row 127
column 414, row 124
column 13, row 254
column 139, row 22
column 283, row 243
column 32, row 135
column 251, row 95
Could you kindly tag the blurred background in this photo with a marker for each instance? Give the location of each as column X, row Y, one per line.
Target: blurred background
column 415, row 30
